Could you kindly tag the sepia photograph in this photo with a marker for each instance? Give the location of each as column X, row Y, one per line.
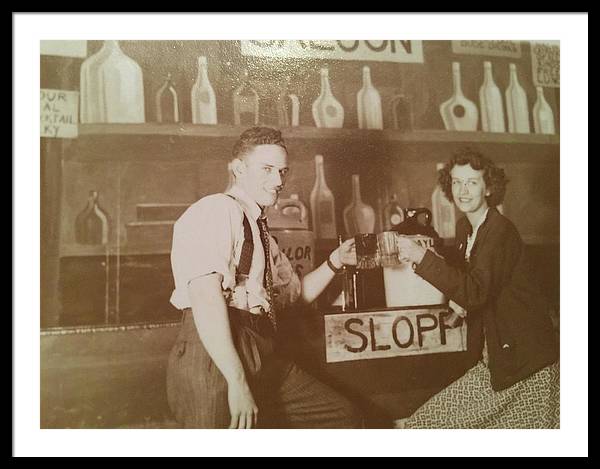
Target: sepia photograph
column 282, row 234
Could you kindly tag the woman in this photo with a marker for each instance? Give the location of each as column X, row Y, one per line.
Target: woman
column 515, row 383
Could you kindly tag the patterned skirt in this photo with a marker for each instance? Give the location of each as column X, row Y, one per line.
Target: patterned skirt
column 470, row 402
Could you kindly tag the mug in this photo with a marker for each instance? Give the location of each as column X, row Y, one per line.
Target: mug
column 388, row 249
column 367, row 256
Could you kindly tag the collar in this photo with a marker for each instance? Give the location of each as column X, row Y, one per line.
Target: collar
column 254, row 210
column 474, row 229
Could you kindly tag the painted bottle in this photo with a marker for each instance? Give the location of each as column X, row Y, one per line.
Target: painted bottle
column 359, row 217
column 444, row 212
column 326, row 110
column 458, row 112
column 368, row 104
column 543, row 117
column 245, row 102
column 122, row 87
column 91, row 102
column 490, row 102
column 322, row 204
column 517, row 109
column 204, row 101
column 91, row 224
column 167, row 102
column 288, row 106
column 393, row 214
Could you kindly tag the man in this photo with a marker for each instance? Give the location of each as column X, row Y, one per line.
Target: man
column 230, row 279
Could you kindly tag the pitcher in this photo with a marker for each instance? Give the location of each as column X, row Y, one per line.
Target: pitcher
column 402, row 286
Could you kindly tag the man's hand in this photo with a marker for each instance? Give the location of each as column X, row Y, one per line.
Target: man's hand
column 243, row 409
column 345, row 254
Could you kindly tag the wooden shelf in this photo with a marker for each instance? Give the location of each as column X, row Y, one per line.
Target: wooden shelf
column 446, row 136
column 83, row 250
column 230, row 131
column 86, row 250
column 221, row 131
column 321, row 245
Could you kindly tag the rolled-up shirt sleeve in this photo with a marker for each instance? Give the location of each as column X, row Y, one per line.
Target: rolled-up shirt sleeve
column 204, row 243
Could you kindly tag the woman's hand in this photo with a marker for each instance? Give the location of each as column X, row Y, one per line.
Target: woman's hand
column 345, row 254
column 409, row 250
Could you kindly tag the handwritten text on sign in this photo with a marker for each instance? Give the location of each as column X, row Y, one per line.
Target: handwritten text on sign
column 545, row 64
column 381, row 51
column 496, row 48
column 58, row 113
column 381, row 334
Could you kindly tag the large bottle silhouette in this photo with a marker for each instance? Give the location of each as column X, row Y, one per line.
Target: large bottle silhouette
column 459, row 113
column 368, row 104
column 91, row 224
column 322, row 204
column 359, row 217
column 112, row 87
column 326, row 110
column 204, row 101
column 543, row 117
column 490, row 101
column 517, row 109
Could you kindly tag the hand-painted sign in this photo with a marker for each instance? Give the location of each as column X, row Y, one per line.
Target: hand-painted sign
column 391, row 333
column 381, row 51
column 495, row 48
column 545, row 63
column 58, row 113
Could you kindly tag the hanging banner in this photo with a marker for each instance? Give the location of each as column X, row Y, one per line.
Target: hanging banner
column 391, row 333
column 58, row 113
column 495, row 48
column 381, row 51
column 545, row 63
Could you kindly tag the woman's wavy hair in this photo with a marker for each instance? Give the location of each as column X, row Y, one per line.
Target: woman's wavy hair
column 494, row 177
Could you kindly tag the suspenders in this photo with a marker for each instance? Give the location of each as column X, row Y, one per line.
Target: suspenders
column 247, row 247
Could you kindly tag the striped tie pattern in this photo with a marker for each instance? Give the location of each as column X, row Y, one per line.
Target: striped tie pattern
column 268, row 276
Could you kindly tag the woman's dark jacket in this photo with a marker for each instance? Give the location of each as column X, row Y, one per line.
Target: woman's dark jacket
column 496, row 285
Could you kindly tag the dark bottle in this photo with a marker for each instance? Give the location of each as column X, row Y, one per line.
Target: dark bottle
column 245, row 102
column 91, row 225
column 393, row 214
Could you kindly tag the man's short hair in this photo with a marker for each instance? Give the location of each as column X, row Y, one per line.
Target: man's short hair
column 255, row 136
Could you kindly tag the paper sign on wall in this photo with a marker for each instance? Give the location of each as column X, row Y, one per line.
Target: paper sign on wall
column 391, row 333
column 58, row 113
column 64, row 48
column 495, row 48
column 382, row 51
column 545, row 63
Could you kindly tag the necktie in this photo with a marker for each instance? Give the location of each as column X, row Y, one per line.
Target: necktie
column 268, row 276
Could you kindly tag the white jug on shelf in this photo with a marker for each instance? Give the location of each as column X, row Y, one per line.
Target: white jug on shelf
column 91, row 97
column 122, row 87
